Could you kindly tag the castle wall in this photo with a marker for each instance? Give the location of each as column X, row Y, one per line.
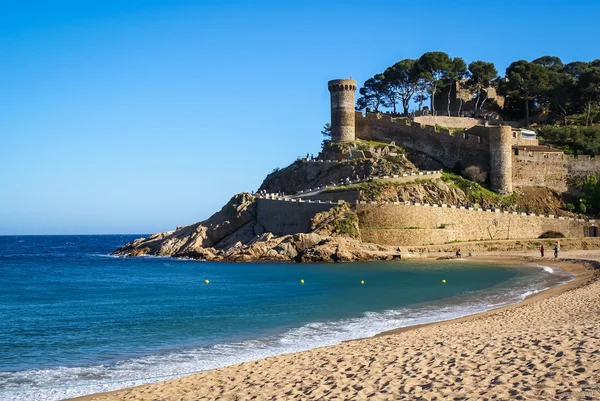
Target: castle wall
column 438, row 143
column 450, row 122
column 490, row 148
column 348, row 196
column 400, row 224
column 582, row 165
column 540, row 169
column 553, row 170
column 282, row 217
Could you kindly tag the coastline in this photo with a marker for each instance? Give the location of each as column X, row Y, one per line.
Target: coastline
column 193, row 384
column 582, row 276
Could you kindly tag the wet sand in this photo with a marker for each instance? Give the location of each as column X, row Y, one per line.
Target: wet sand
column 544, row 348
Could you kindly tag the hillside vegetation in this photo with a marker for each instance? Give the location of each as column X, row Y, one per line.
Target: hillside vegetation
column 573, row 140
column 303, row 174
column 453, row 189
column 544, row 89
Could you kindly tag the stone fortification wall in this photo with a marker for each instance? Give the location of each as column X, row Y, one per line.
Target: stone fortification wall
column 582, row 165
column 553, row 170
column 450, row 122
column 288, row 216
column 447, row 147
column 348, row 196
column 413, row 224
column 401, row 224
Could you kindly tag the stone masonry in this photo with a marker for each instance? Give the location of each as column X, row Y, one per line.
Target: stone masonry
column 342, row 109
column 497, row 150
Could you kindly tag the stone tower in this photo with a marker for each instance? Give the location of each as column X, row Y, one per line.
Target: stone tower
column 342, row 109
column 501, row 159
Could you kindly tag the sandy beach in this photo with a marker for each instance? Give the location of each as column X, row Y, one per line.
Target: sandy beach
column 544, row 348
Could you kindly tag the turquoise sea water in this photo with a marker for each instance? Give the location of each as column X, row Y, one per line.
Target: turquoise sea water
column 74, row 320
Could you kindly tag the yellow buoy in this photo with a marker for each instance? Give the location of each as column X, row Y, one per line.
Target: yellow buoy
column 301, row 281
column 362, row 281
column 206, row 281
column 444, row 281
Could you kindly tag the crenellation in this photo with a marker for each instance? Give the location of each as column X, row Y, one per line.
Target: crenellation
column 458, row 225
column 488, row 147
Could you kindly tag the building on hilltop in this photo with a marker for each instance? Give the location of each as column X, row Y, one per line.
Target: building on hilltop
column 462, row 101
column 510, row 156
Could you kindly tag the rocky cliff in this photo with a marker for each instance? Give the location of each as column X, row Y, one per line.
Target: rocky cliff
column 304, row 174
column 231, row 235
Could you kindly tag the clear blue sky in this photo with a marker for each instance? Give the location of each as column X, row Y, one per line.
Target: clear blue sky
column 135, row 116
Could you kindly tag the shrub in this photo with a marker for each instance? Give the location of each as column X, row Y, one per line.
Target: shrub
column 573, row 139
column 474, row 173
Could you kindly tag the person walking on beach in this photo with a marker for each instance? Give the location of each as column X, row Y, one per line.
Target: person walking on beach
column 556, row 251
column 542, row 250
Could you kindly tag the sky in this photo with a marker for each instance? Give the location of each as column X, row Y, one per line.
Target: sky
column 137, row 116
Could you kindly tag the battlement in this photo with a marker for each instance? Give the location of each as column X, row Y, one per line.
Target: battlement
column 404, row 124
column 535, row 155
column 489, row 147
column 409, row 223
column 342, row 85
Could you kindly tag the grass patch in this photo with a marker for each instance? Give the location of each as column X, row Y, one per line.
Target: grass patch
column 363, row 144
column 373, row 188
column 346, row 225
column 477, row 193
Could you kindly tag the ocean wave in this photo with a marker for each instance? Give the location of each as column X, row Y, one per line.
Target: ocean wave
column 65, row 382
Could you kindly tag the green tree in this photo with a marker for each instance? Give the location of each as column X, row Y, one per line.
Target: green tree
column 577, row 140
column 526, row 81
column 576, row 68
column 326, row 132
column 421, row 94
column 591, row 190
column 552, row 63
column 373, row 95
column 433, row 68
column 482, row 74
column 556, row 97
column 456, row 72
column 589, row 88
column 401, row 83
column 561, row 88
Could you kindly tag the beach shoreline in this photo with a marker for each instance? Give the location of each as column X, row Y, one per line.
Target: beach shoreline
column 581, row 267
column 581, row 273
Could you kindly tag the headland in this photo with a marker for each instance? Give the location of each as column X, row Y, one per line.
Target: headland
column 386, row 187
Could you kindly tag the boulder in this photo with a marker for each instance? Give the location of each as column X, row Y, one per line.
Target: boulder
column 305, row 241
column 287, row 249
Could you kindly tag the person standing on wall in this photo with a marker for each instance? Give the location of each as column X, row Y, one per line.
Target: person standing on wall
column 556, row 251
column 542, row 250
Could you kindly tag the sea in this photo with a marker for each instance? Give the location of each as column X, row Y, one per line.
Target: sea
column 75, row 320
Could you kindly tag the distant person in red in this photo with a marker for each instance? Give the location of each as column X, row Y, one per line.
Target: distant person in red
column 542, row 250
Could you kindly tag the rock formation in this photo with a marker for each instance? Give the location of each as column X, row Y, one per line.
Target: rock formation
column 229, row 235
column 235, row 234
